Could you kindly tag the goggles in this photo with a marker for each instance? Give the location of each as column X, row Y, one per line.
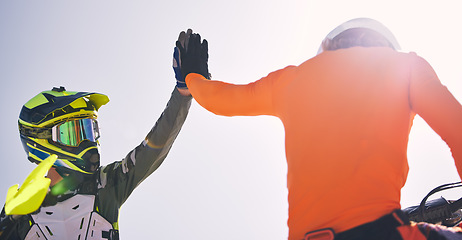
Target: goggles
column 72, row 133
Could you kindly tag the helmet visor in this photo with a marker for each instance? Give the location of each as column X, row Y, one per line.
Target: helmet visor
column 72, row 133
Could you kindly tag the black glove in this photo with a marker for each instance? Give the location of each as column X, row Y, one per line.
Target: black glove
column 194, row 56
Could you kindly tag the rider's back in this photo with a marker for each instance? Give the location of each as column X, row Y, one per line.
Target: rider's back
column 347, row 116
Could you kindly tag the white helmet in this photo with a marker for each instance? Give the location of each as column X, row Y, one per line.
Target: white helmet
column 367, row 23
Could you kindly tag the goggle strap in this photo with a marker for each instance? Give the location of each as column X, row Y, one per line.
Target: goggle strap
column 40, row 133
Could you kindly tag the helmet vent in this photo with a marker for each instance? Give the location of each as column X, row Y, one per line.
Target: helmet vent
column 60, row 89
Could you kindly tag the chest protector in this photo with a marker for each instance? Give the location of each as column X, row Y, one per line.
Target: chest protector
column 74, row 218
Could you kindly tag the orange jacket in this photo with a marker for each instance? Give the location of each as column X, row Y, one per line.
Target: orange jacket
column 347, row 116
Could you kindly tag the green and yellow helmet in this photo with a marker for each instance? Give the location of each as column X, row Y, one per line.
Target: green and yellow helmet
column 62, row 123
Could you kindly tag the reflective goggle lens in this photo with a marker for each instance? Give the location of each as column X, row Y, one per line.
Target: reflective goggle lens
column 73, row 132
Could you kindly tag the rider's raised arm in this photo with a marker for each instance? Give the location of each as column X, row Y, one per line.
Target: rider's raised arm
column 256, row 98
column 121, row 178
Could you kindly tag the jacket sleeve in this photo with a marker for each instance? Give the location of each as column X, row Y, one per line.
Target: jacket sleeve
column 13, row 226
column 256, row 98
column 437, row 106
column 117, row 180
column 7, row 226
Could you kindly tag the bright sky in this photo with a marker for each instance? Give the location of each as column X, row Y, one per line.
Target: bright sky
column 224, row 177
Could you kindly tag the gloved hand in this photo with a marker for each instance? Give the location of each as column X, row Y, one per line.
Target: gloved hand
column 183, row 40
column 194, row 56
column 32, row 192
